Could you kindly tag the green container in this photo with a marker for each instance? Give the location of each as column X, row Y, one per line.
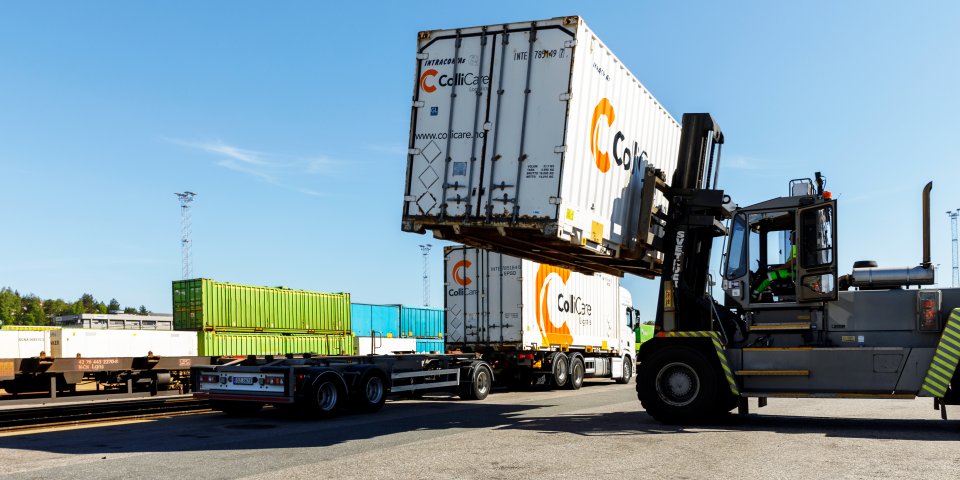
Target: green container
column 204, row 304
column 218, row 344
column 644, row 333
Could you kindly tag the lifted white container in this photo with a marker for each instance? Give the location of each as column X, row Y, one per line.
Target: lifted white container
column 503, row 302
column 91, row 343
column 532, row 138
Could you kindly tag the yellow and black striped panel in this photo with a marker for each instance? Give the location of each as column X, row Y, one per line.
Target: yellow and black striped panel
column 715, row 339
column 945, row 359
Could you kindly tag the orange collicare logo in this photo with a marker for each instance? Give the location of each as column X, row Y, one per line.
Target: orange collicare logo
column 603, row 109
column 552, row 335
column 458, row 275
column 423, row 81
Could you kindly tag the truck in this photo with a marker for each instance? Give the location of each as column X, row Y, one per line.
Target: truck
column 536, row 323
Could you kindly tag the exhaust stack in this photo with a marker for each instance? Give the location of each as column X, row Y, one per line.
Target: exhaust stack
column 926, row 225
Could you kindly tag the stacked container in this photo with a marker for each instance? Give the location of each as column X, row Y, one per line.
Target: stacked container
column 425, row 325
column 237, row 320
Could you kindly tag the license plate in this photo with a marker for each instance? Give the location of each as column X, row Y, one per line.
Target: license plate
column 244, row 380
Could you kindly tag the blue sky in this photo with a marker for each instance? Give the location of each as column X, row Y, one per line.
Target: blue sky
column 291, row 123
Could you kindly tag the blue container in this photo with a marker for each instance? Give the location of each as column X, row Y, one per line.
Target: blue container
column 429, row 345
column 421, row 322
column 384, row 319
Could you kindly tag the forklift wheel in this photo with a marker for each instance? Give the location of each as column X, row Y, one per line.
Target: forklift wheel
column 678, row 384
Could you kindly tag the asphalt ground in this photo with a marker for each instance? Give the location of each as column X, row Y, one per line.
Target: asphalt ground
column 599, row 431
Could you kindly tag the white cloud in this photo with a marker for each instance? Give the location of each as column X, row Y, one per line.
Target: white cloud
column 278, row 169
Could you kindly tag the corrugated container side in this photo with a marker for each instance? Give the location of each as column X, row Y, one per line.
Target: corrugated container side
column 494, row 299
column 549, row 144
column 240, row 344
column 430, row 345
column 421, row 322
column 207, row 304
column 383, row 319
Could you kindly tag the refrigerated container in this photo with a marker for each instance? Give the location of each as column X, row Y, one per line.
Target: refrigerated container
column 383, row 320
column 204, row 304
column 534, row 139
column 527, row 317
column 421, row 322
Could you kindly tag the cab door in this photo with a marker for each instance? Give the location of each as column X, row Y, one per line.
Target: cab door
column 817, row 252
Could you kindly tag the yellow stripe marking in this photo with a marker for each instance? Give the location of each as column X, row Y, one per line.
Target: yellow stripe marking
column 943, row 362
column 941, row 370
column 949, row 349
column 774, row 372
column 782, row 326
column 934, row 392
column 935, row 384
column 931, row 375
column 950, row 339
column 949, row 357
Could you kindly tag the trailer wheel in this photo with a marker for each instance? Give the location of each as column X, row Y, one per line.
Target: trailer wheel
column 236, row 409
column 481, row 381
column 627, row 371
column 560, row 369
column 678, row 384
column 577, row 372
column 325, row 396
column 371, row 392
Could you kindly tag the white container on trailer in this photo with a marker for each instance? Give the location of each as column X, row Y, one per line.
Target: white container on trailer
column 534, row 133
column 24, row 343
column 92, row 343
column 504, row 302
column 385, row 345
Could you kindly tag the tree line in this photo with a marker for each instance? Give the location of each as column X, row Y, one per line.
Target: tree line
column 16, row 309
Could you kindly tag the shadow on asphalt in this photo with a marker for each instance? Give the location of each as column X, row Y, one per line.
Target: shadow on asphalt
column 437, row 415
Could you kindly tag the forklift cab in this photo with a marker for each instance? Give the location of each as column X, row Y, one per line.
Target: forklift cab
column 761, row 267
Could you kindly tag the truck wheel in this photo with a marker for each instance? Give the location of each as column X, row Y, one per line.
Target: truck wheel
column 577, row 372
column 678, row 385
column 371, row 392
column 560, row 369
column 480, row 384
column 325, row 396
column 236, row 409
column 627, row 371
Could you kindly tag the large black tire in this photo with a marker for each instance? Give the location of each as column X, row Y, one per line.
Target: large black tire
column 577, row 373
column 561, row 369
column 679, row 385
column 481, row 382
column 236, row 409
column 324, row 397
column 627, row 371
column 371, row 392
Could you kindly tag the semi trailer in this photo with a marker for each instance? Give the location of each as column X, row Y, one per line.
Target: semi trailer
column 537, row 323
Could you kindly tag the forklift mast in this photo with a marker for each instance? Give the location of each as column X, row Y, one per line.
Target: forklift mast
column 695, row 216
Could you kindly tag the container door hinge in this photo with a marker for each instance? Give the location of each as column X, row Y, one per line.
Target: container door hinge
column 565, row 97
column 410, row 198
column 570, row 44
column 418, row 104
column 414, row 151
column 560, row 149
column 555, row 200
column 423, row 56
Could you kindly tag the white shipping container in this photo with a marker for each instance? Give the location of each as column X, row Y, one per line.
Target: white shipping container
column 536, row 128
column 24, row 343
column 385, row 345
column 91, row 343
column 504, row 301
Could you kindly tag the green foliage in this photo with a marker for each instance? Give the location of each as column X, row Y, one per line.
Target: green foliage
column 16, row 309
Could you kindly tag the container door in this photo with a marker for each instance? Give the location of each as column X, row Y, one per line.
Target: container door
column 527, row 111
column 448, row 132
column 462, row 284
column 817, row 253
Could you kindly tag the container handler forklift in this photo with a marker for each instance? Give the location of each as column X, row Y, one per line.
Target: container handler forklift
column 788, row 325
